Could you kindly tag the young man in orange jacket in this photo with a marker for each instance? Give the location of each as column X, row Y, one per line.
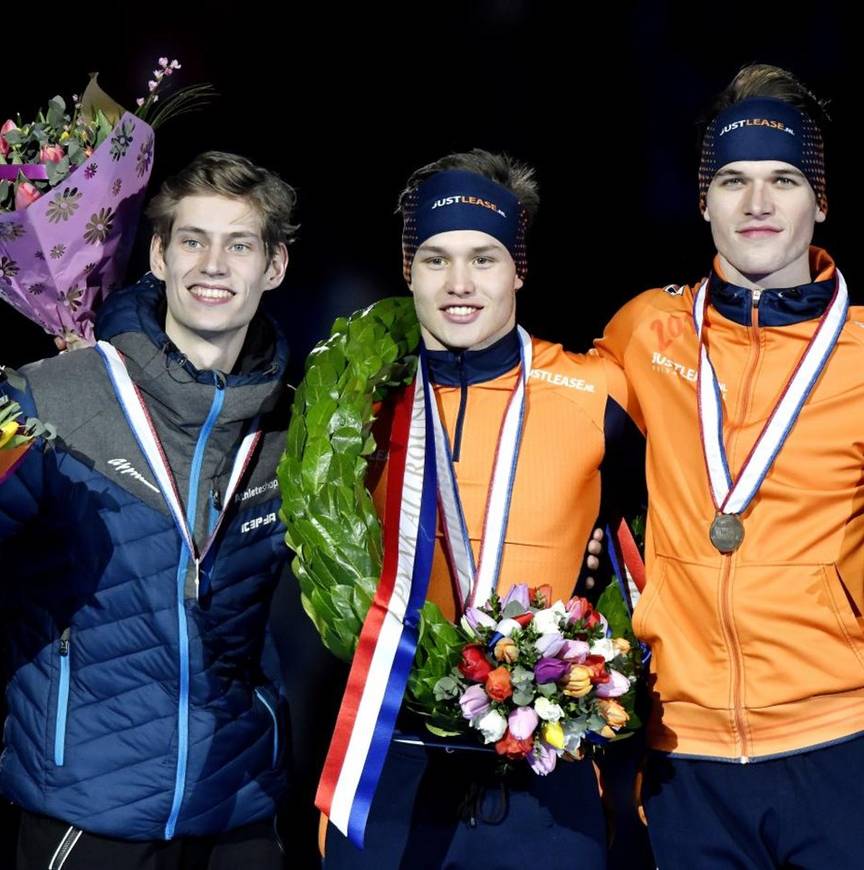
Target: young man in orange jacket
column 442, row 803
column 748, row 385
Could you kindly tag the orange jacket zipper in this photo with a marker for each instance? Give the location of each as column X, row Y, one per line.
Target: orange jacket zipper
column 725, row 576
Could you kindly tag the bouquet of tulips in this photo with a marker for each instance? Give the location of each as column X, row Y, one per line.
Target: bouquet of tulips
column 544, row 680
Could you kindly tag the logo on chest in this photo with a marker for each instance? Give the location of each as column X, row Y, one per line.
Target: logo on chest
column 257, row 522
column 260, row 489
column 559, row 380
column 123, row 466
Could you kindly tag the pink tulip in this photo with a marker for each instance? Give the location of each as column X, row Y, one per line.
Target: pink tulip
column 518, row 592
column 578, row 608
column 51, row 154
column 549, row 644
column 25, row 194
column 543, row 759
column 4, row 145
column 474, row 702
column 618, row 685
column 522, row 722
column 574, row 651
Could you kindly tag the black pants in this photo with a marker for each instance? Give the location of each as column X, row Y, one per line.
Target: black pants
column 49, row 844
column 798, row 811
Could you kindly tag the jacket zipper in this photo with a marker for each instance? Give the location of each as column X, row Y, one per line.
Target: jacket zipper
column 463, row 404
column 726, row 610
column 62, row 699
column 183, row 628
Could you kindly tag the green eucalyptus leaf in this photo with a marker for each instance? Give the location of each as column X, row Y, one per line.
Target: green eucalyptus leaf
column 523, row 698
column 56, row 115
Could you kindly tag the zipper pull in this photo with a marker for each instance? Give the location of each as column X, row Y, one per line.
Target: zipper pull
column 757, row 295
column 456, row 450
column 219, row 378
column 197, row 577
column 64, row 641
column 215, row 498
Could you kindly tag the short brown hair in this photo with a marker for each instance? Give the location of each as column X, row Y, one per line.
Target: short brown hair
column 765, row 80
column 230, row 175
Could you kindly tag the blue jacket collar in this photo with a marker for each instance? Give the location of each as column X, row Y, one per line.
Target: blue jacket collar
column 779, row 306
column 454, row 368
column 141, row 308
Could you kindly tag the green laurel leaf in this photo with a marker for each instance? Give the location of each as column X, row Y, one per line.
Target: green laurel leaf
column 330, row 519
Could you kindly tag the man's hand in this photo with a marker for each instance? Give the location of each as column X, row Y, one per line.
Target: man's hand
column 595, row 548
column 70, row 341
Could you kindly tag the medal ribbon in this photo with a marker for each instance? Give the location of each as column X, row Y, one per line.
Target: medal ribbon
column 734, row 497
column 476, row 582
column 138, row 417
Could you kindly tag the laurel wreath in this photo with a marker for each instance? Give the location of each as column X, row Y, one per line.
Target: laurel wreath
column 330, row 519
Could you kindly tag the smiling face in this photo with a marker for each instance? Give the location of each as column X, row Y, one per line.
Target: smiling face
column 762, row 215
column 215, row 270
column 464, row 284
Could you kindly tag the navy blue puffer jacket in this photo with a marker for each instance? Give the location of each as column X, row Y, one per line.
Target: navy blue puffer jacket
column 138, row 703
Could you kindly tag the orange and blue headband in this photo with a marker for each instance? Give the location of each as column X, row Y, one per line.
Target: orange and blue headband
column 764, row 128
column 458, row 200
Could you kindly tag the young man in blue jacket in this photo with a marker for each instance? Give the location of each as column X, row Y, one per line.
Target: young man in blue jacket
column 142, row 548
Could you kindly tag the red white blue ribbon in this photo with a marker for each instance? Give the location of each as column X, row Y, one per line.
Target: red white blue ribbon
column 142, row 427
column 418, row 478
column 734, row 497
column 631, row 580
column 476, row 582
column 388, row 640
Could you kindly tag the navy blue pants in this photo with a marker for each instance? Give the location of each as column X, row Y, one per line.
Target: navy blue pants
column 435, row 808
column 804, row 810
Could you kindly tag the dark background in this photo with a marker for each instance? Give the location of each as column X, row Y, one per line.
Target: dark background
column 346, row 100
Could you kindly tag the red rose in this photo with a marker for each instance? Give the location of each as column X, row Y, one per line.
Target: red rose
column 514, row 749
column 474, row 665
column 592, row 619
column 498, row 684
column 597, row 666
